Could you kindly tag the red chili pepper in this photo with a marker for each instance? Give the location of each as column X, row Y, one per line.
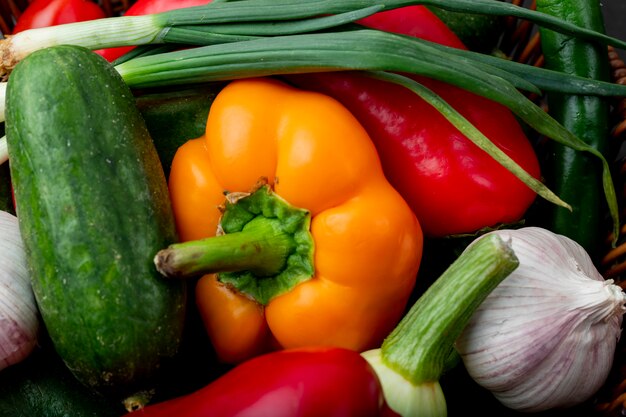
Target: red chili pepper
column 452, row 186
column 309, row 382
column 41, row 13
column 143, row 7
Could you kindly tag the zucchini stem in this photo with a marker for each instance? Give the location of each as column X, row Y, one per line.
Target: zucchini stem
column 420, row 345
column 412, row 359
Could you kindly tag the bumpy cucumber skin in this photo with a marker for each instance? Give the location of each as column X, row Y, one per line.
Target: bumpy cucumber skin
column 93, row 207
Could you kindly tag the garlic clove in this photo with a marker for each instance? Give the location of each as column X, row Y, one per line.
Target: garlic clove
column 19, row 316
column 546, row 336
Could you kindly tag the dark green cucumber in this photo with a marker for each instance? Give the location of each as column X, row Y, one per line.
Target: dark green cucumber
column 94, row 209
column 174, row 117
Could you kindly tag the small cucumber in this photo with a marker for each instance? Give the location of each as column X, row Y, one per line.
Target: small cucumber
column 94, row 208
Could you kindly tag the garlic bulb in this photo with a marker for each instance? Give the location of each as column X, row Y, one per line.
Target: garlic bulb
column 19, row 317
column 546, row 336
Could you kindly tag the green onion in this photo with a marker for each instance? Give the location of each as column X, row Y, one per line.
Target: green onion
column 269, row 10
column 414, row 356
column 545, row 79
column 185, row 26
column 157, row 28
column 95, row 34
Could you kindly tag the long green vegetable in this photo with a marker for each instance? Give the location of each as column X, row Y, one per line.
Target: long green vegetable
column 573, row 175
column 544, row 78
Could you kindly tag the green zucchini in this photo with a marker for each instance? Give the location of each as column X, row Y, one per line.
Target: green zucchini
column 94, row 209
column 173, row 117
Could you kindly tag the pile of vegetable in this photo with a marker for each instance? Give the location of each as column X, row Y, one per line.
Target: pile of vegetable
column 280, row 207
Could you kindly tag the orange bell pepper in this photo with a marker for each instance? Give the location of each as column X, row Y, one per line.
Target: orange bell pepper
column 342, row 278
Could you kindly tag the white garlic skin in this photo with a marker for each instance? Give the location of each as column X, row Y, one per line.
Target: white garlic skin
column 19, row 316
column 545, row 338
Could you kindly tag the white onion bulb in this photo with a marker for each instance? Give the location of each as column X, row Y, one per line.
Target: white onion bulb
column 545, row 338
column 19, row 317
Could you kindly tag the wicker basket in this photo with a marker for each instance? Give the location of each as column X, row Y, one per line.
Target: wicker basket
column 520, row 41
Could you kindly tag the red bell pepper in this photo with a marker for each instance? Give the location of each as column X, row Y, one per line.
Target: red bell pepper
column 452, row 186
column 416, row 21
column 42, row 13
column 309, row 382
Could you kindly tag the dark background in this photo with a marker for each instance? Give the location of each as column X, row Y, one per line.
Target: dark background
column 615, row 20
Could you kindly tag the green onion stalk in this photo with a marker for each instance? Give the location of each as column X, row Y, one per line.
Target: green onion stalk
column 224, row 21
column 412, row 359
